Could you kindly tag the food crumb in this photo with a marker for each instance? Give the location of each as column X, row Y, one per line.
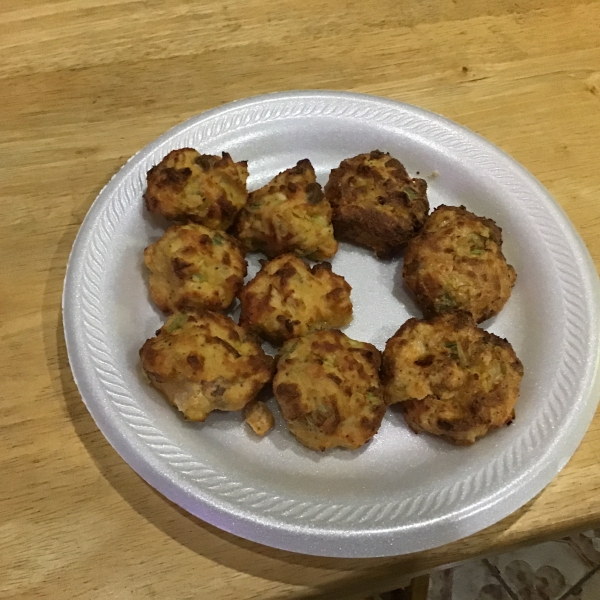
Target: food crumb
column 259, row 417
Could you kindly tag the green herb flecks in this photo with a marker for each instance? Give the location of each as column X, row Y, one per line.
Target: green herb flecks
column 289, row 349
column 373, row 398
column 176, row 322
column 199, row 278
column 477, row 244
column 412, row 194
column 452, row 349
column 457, row 353
column 445, row 302
column 218, row 239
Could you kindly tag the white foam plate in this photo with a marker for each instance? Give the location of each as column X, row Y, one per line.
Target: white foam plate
column 401, row 492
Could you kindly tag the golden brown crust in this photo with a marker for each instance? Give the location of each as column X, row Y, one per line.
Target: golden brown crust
column 376, row 203
column 327, row 386
column 288, row 299
column 259, row 417
column 289, row 214
column 451, row 378
column 456, row 263
column 205, row 362
column 194, row 268
column 201, row 188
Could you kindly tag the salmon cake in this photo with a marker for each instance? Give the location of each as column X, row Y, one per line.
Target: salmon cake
column 203, row 363
column 451, row 378
column 376, row 203
column 194, row 268
column 288, row 299
column 456, row 263
column 289, row 215
column 327, row 386
column 187, row 186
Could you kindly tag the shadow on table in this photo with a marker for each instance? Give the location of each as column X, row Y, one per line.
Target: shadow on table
column 357, row 577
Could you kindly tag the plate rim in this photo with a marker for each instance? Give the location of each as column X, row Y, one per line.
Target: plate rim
column 299, row 539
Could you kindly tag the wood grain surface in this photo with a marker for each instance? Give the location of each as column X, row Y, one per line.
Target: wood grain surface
column 86, row 83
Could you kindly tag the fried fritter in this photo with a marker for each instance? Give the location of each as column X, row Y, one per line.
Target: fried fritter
column 193, row 268
column 289, row 214
column 376, row 203
column 451, row 378
column 258, row 415
column 201, row 188
column 205, row 362
column 327, row 386
column 456, row 263
column 288, row 299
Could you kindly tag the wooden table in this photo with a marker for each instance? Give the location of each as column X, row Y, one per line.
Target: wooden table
column 85, row 84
